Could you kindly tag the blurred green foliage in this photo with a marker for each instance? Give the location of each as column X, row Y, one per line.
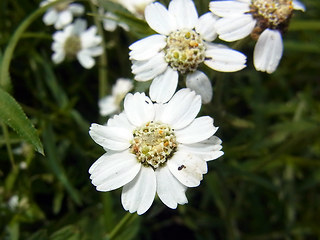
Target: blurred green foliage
column 265, row 187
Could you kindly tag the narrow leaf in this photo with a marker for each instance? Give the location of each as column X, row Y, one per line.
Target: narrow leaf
column 12, row 114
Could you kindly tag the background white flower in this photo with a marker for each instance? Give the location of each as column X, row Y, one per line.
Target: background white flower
column 62, row 13
column 182, row 44
column 154, row 148
column 77, row 41
column 136, row 7
column 111, row 21
column 111, row 103
column 265, row 20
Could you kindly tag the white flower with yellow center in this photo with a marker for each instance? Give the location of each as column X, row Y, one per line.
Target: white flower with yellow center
column 265, row 20
column 111, row 103
column 61, row 14
column 183, row 43
column 75, row 41
column 154, row 148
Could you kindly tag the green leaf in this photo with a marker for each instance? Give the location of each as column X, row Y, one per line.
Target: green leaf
column 12, row 114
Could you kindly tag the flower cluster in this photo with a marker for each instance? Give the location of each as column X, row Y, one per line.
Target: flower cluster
column 157, row 145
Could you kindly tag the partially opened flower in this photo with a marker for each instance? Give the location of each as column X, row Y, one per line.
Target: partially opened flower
column 61, row 14
column 183, row 43
column 75, row 41
column 154, row 149
column 265, row 20
column 111, row 103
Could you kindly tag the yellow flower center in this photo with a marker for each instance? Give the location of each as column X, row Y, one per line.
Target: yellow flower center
column 272, row 14
column 153, row 144
column 72, row 46
column 185, row 50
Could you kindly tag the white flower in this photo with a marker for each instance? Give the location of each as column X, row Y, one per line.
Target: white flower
column 61, row 14
column 77, row 41
column 136, row 7
column 182, row 44
column 111, row 104
column 265, row 20
column 111, row 21
column 154, row 148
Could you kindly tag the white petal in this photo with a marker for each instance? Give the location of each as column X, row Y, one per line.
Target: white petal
column 228, row 8
column 297, row 5
column 107, row 105
column 50, row 17
column 170, row 191
column 225, row 60
column 187, row 168
column 184, row 12
column 95, row 51
column 138, row 108
column 112, row 171
column 65, row 17
column 208, row 149
column 164, row 86
column 200, row 83
column 268, row 51
column 85, row 59
column 235, row 27
column 199, row 130
column 206, row 26
column 120, row 120
column 182, row 109
column 149, row 69
column 80, row 26
column 138, row 195
column 114, row 138
column 159, row 19
column 58, row 57
column 76, row 8
column 147, row 47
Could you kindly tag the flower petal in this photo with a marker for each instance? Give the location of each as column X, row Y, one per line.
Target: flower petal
column 185, row 13
column 200, row 129
column 107, row 105
column 85, row 59
column 138, row 108
column 65, row 17
column 120, row 120
column 297, row 5
column 268, row 51
column 208, row 149
column 50, row 16
column 225, row 59
column 228, row 8
column 164, row 86
column 138, row 195
column 235, row 27
column 187, row 168
column 170, row 191
column 112, row 171
column 149, row 69
column 182, row 109
column 159, row 19
column 58, row 57
column 200, row 83
column 206, row 26
column 147, row 47
column 114, row 138
column 76, row 8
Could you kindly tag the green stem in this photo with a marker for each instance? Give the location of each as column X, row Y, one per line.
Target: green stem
column 7, row 140
column 103, row 73
column 120, row 225
column 5, row 81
